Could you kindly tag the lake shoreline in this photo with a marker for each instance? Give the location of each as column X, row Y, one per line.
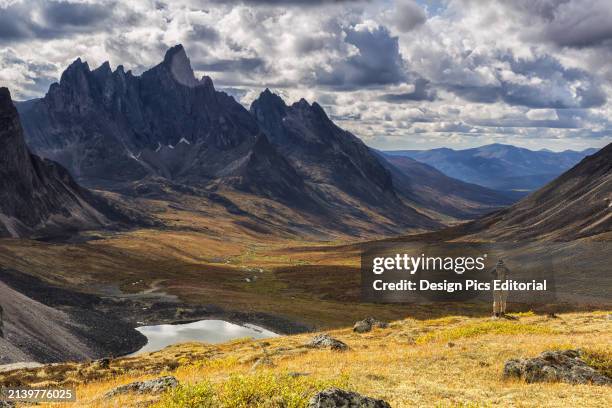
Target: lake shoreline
column 107, row 324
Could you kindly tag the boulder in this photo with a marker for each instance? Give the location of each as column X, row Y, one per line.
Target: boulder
column 555, row 366
column 102, row 363
column 154, row 386
column 367, row 324
column 337, row 398
column 325, row 341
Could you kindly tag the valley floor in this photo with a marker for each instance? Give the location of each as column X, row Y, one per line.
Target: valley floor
column 455, row 361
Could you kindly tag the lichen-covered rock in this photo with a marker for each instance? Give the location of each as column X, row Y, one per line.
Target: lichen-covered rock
column 337, row 398
column 555, row 366
column 154, row 386
column 325, row 341
column 367, row 324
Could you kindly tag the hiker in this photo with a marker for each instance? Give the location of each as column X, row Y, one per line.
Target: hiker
column 500, row 273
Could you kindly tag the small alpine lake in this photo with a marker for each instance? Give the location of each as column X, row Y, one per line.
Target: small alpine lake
column 204, row 331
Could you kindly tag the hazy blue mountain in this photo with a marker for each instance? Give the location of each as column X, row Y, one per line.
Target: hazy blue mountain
column 576, row 204
column 499, row 166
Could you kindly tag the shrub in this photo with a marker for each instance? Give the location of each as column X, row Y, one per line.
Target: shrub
column 599, row 359
column 260, row 390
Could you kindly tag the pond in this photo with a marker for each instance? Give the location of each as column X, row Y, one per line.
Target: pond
column 205, row 331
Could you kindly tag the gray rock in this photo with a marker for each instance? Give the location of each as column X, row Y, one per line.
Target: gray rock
column 337, row 398
column 154, row 386
column 102, row 363
column 325, row 341
column 367, row 324
column 555, row 366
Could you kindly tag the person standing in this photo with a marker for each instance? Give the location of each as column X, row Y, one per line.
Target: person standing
column 500, row 273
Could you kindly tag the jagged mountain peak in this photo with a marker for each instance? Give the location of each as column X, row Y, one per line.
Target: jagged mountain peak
column 207, row 82
column 268, row 103
column 104, row 69
column 13, row 150
column 174, row 50
column 179, row 65
column 74, row 70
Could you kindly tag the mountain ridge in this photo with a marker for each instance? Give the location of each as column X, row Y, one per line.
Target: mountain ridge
column 113, row 129
column 498, row 166
column 577, row 204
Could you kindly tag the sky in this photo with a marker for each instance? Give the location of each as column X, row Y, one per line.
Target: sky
column 400, row 74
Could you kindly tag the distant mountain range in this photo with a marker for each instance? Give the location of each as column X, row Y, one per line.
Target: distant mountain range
column 575, row 205
column 38, row 197
column 498, row 166
column 114, row 130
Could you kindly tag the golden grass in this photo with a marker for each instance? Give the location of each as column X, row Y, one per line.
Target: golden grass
column 385, row 363
column 264, row 389
column 482, row 328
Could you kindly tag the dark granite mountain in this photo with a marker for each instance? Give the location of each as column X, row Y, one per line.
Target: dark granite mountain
column 575, row 205
column 330, row 157
column 38, row 197
column 112, row 129
column 338, row 163
column 499, row 166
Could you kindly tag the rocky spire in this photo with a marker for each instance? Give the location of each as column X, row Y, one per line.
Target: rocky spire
column 14, row 155
column 269, row 110
column 177, row 61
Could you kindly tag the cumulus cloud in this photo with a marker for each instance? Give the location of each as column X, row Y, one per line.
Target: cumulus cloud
column 398, row 73
column 407, row 15
column 374, row 60
column 23, row 20
column 542, row 114
column 571, row 23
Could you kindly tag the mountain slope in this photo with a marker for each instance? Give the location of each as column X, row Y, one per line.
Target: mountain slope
column 497, row 166
column 432, row 189
column 37, row 196
column 576, row 204
column 332, row 161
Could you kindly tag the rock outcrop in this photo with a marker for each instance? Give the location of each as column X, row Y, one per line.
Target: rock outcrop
column 154, row 386
column 337, row 398
column 326, row 341
column 555, row 366
column 367, row 324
